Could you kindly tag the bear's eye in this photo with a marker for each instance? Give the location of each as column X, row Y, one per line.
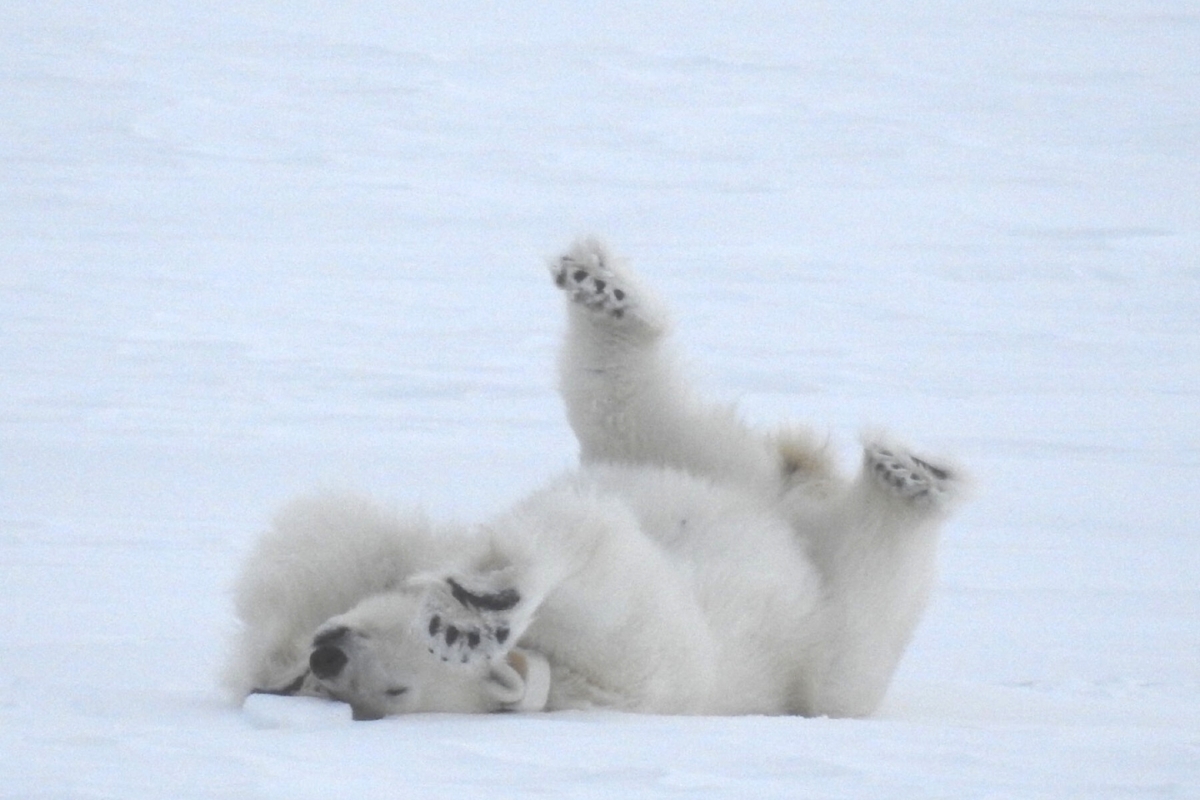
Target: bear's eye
column 396, row 691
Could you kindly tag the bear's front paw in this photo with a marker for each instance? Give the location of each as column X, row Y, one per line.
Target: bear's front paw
column 611, row 296
column 468, row 620
column 585, row 276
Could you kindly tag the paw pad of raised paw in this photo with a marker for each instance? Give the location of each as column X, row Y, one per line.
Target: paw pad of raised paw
column 591, row 286
column 501, row 600
column 465, row 624
column 909, row 477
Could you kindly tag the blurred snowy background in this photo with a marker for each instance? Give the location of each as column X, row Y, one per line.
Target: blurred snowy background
column 251, row 248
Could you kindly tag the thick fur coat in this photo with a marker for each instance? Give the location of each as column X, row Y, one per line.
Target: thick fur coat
column 691, row 565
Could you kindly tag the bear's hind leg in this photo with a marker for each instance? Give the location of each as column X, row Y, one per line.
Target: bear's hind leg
column 878, row 562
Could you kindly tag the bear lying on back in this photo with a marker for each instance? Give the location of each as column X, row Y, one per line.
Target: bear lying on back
column 689, row 566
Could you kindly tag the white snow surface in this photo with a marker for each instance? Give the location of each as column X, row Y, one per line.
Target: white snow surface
column 248, row 249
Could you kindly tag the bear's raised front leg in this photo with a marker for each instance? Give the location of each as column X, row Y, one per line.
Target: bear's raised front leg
column 625, row 398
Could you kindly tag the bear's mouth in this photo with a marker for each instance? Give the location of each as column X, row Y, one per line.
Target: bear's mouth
column 361, row 713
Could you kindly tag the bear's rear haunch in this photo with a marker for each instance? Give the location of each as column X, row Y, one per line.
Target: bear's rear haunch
column 690, row 565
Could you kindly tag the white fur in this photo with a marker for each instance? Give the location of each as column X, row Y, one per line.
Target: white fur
column 690, row 565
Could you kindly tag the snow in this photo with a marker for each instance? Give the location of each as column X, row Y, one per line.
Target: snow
column 250, row 248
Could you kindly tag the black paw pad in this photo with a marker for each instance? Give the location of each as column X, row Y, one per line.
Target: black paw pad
column 494, row 601
column 937, row 472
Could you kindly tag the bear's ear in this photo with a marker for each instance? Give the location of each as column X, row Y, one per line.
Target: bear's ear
column 521, row 682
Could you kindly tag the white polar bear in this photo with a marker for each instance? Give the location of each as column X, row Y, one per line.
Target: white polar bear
column 690, row 566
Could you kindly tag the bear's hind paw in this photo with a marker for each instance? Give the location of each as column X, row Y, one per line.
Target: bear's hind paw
column 916, row 481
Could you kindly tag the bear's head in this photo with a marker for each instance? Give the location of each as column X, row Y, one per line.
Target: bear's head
column 372, row 659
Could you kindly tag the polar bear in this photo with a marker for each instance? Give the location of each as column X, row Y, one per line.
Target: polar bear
column 690, row 565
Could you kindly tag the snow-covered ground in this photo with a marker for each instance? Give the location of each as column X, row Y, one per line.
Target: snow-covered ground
column 251, row 248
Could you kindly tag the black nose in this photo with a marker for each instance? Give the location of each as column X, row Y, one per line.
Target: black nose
column 327, row 661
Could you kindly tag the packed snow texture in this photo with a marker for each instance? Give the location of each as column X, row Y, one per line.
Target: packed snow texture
column 249, row 248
